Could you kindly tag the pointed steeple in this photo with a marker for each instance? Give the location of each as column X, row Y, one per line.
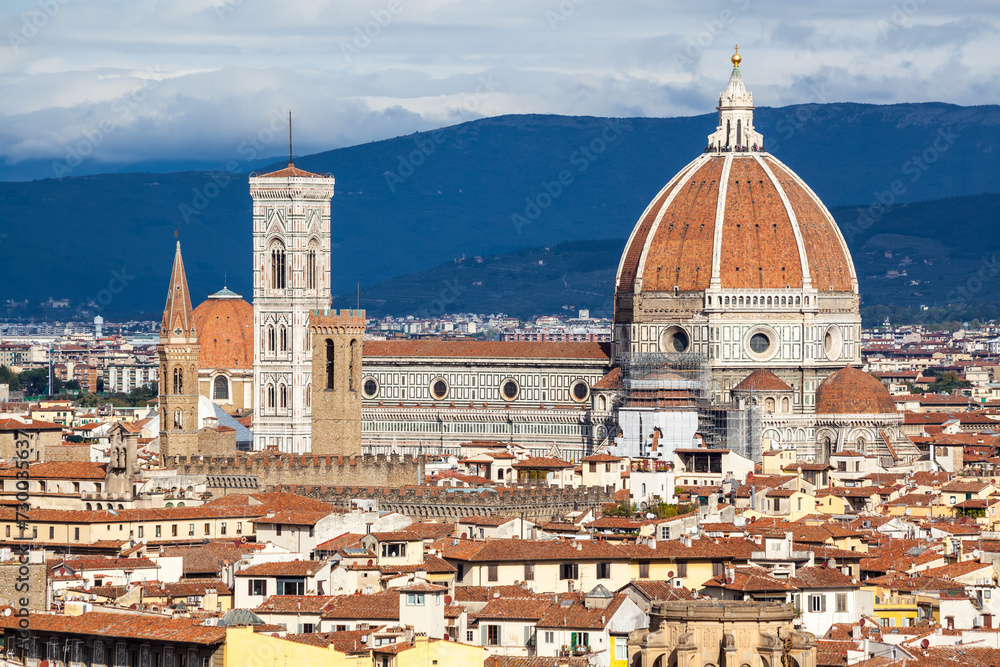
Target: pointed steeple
column 735, row 130
column 177, row 318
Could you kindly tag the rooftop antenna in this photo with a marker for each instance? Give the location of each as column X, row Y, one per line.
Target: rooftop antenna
column 290, row 163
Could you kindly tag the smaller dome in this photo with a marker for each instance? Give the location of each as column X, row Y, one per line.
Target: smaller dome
column 762, row 380
column 225, row 331
column 850, row 391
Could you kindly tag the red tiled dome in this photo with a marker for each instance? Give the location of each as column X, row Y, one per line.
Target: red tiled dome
column 768, row 232
column 224, row 323
column 850, row 391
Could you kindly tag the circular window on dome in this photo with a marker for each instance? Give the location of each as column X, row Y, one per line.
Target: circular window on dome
column 509, row 389
column 833, row 343
column 674, row 339
column 580, row 391
column 439, row 389
column 761, row 343
column 369, row 388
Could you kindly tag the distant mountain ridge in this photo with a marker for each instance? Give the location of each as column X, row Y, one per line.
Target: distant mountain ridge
column 407, row 204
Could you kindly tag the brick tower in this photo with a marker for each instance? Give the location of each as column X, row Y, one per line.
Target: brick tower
column 337, row 340
column 178, row 355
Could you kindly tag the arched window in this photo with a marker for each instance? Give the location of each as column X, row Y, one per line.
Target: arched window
column 784, row 404
column 309, row 391
column 277, row 266
column 270, row 338
column 270, row 396
column 178, row 380
column 282, row 397
column 739, row 132
column 727, row 133
column 769, row 404
column 221, row 389
column 329, row 364
column 350, row 366
column 283, row 338
column 311, row 268
column 178, row 419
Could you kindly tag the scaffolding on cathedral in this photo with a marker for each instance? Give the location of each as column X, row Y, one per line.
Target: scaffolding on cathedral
column 682, row 382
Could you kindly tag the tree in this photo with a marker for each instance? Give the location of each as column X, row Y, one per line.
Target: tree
column 73, row 385
column 621, row 508
column 948, row 382
column 34, row 381
column 9, row 377
column 100, row 385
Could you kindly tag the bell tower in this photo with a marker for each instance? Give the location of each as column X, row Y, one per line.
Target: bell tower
column 178, row 357
column 291, row 278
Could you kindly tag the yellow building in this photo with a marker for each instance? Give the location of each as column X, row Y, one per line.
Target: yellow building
column 245, row 647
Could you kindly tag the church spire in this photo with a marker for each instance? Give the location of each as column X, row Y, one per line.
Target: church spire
column 177, row 318
column 735, row 130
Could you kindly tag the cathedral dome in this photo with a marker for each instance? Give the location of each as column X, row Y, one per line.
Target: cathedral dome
column 735, row 218
column 224, row 323
column 850, row 391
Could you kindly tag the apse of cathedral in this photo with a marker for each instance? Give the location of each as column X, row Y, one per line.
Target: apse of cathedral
column 736, row 325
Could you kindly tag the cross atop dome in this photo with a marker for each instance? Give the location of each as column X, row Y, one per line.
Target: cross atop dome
column 735, row 131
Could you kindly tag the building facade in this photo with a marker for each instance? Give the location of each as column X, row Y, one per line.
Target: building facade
column 738, row 261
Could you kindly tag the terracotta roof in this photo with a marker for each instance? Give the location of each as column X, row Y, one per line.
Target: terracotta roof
column 673, row 242
column 576, row 615
column 821, row 577
column 750, row 579
column 345, row 641
column 497, row 550
column 211, row 557
column 487, row 593
column 290, row 604
column 653, row 589
column 486, row 349
column 123, row 626
column 29, row 425
column 186, row 587
column 852, row 391
column 225, row 333
column 762, row 380
column 613, row 380
column 543, row 462
column 602, row 458
column 382, row 606
column 291, row 171
column 60, row 470
column 535, row 661
column 340, row 542
column 295, row 568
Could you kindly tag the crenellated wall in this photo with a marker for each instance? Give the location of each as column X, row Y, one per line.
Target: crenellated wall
column 453, row 504
column 288, row 469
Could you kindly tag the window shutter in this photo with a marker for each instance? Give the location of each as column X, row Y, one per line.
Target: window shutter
column 264, row 591
column 822, row 603
column 484, row 635
column 527, row 634
column 249, row 586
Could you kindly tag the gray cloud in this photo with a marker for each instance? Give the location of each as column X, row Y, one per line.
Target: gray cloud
column 365, row 70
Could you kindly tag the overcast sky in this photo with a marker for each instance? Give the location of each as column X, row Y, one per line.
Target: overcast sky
column 191, row 79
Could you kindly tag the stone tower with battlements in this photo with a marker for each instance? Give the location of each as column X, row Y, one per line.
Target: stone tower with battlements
column 337, row 340
column 291, row 278
column 178, row 358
